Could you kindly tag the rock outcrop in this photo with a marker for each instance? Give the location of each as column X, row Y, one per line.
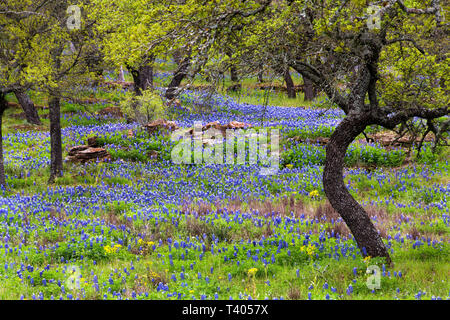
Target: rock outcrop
column 160, row 125
column 89, row 152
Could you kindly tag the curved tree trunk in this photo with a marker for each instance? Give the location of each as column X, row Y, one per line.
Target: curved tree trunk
column 56, row 161
column 178, row 76
column 27, row 104
column 289, row 85
column 367, row 237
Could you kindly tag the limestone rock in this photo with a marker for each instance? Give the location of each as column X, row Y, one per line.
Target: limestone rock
column 160, row 125
column 111, row 111
column 87, row 153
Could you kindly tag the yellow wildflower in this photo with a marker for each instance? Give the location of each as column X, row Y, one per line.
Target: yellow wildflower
column 252, row 271
column 108, row 249
column 314, row 193
column 310, row 249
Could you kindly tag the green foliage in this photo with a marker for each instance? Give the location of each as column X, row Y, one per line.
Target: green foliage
column 144, row 108
column 374, row 156
column 302, row 154
column 310, row 132
column 136, row 148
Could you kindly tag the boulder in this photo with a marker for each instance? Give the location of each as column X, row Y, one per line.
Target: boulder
column 92, row 142
column 238, row 125
column 87, row 153
column 223, row 128
column 160, row 125
column 111, row 111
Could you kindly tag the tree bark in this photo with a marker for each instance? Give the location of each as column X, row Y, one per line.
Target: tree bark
column 3, row 106
column 368, row 239
column 234, row 79
column 56, row 161
column 260, row 77
column 261, row 73
column 178, row 77
column 27, row 104
column 233, row 74
column 143, row 78
column 309, row 90
column 289, row 85
column 177, row 57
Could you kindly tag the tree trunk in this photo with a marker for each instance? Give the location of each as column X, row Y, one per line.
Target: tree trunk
column 309, row 90
column 56, row 161
column 289, row 85
column 146, row 74
column 233, row 74
column 179, row 75
column 177, row 57
column 3, row 106
column 260, row 76
column 27, row 104
column 235, row 87
column 99, row 78
column 367, row 237
column 143, row 78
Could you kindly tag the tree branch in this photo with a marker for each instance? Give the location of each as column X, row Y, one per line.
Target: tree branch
column 388, row 42
column 319, row 79
column 389, row 118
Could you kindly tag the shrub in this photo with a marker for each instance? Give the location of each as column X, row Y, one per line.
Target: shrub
column 144, row 108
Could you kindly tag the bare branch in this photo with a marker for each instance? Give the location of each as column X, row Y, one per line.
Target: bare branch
column 389, row 118
column 388, row 42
